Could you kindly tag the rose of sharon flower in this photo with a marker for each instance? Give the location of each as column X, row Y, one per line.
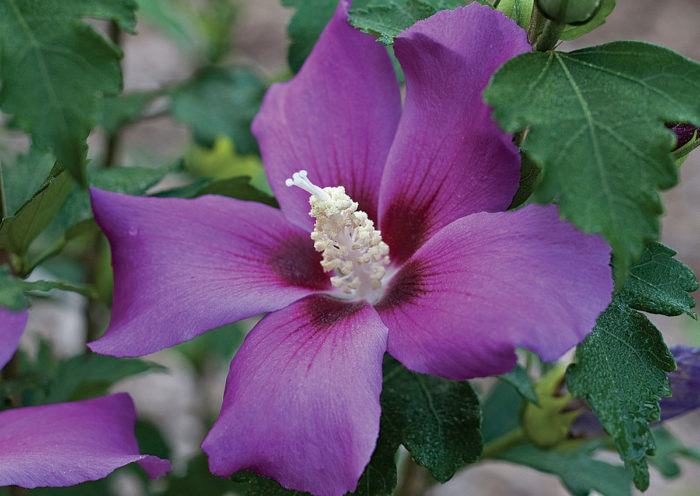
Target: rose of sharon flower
column 65, row 443
column 410, row 252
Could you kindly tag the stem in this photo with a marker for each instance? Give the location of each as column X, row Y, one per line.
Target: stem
column 3, row 205
column 503, row 443
column 543, row 34
column 112, row 146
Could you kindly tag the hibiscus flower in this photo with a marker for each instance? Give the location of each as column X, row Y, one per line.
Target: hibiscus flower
column 447, row 282
column 65, row 443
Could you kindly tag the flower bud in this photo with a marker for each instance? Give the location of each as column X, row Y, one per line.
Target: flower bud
column 569, row 11
column 548, row 424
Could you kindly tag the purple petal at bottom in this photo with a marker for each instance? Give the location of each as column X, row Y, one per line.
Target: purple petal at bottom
column 490, row 282
column 69, row 443
column 685, row 383
column 302, row 398
column 11, row 328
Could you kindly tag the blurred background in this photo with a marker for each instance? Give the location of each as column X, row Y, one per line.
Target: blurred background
column 194, row 75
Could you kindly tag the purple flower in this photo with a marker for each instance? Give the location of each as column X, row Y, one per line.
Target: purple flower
column 65, row 443
column 463, row 285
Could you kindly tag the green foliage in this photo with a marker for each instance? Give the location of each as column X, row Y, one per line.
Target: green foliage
column 118, row 111
column 387, row 18
column 197, row 480
column 437, row 420
column 13, row 291
column 237, row 187
column 19, row 230
column 596, row 119
column 668, row 448
column 621, row 370
column 500, row 412
column 75, row 213
column 659, row 283
column 23, row 176
column 573, row 32
column 202, row 29
column 580, row 473
column 220, row 102
column 54, row 73
column 305, row 27
column 518, row 10
column 522, row 382
column 90, row 375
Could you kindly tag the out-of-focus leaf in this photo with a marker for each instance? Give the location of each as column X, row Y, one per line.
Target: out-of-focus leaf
column 220, row 101
column 305, row 27
column 120, row 110
column 237, row 187
column 91, row 375
column 522, row 382
column 22, row 177
column 500, row 411
column 19, row 230
column 578, row 471
column 13, row 291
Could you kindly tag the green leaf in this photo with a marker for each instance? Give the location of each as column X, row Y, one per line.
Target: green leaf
column 118, row 111
column 580, row 473
column 438, row 420
column 620, row 370
column 12, row 290
column 220, row 102
column 305, row 27
column 53, row 73
column 237, row 187
column 573, row 32
column 253, row 484
column 23, row 177
column 522, row 382
column 659, row 283
column 90, row 375
column 197, row 480
column 387, row 18
column 603, row 148
column 75, row 215
column 500, row 412
column 19, row 230
column 668, row 448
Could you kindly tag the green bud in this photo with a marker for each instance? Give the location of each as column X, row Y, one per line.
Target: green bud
column 569, row 11
column 548, row 425
column 518, row 10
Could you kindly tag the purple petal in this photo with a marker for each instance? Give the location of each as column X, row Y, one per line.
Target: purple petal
column 182, row 267
column 302, row 398
column 335, row 119
column 685, row 383
column 11, row 328
column 490, row 282
column 449, row 158
column 70, row 443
